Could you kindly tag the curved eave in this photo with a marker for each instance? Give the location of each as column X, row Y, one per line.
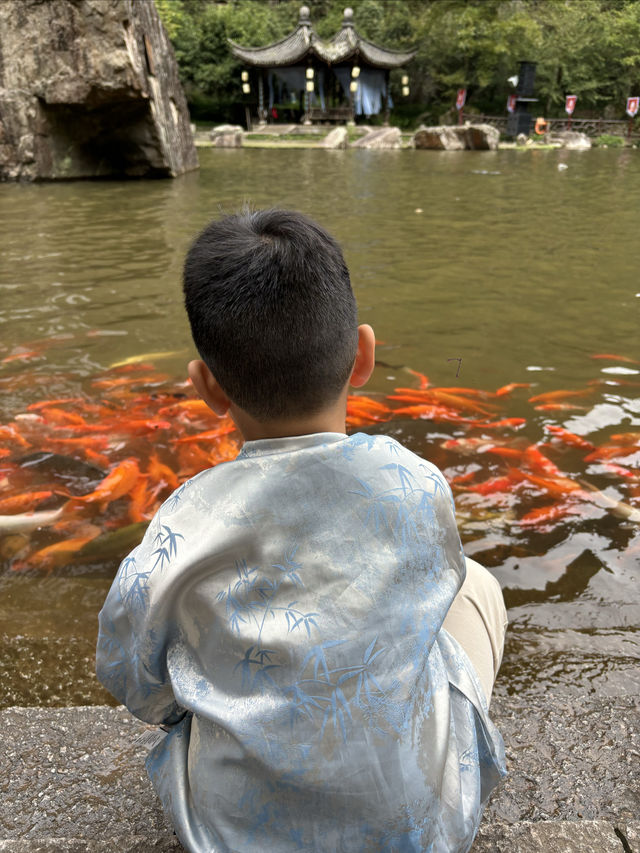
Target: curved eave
column 287, row 51
column 347, row 44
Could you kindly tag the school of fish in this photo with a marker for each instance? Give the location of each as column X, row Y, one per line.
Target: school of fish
column 139, row 434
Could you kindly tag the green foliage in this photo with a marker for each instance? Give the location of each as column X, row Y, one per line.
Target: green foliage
column 610, row 141
column 590, row 48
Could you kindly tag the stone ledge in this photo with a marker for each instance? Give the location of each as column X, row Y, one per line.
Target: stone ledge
column 73, row 780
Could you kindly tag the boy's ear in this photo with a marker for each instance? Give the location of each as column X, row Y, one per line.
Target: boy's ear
column 365, row 357
column 207, row 387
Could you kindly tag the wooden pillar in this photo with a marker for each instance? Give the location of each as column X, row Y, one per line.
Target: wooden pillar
column 262, row 113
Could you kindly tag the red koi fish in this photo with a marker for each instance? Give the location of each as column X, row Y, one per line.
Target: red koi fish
column 537, row 461
column 569, row 438
column 494, row 484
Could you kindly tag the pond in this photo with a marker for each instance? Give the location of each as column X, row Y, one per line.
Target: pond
column 478, row 269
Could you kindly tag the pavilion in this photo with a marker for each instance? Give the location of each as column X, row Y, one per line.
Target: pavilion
column 334, row 79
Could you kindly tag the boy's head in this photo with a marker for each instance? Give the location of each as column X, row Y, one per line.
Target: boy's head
column 272, row 312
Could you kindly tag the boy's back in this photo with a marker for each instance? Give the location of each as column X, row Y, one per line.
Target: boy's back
column 291, row 603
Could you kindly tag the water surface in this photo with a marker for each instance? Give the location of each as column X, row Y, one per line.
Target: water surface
column 522, row 270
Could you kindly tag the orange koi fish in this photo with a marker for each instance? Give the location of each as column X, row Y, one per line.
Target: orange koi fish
column 20, row 503
column 140, row 427
column 208, row 435
column 462, row 478
column 507, row 389
column 536, row 460
column 161, row 473
column 506, row 452
column 10, row 433
column 609, row 451
column 513, row 423
column 198, row 407
column 43, row 404
column 116, row 484
column 569, row 438
column 627, row 437
column 552, row 396
column 20, row 356
column 469, row 392
column 53, row 555
column 613, row 357
column 424, row 380
column 431, row 413
column 558, row 487
column 465, row 445
column 546, row 513
column 61, row 417
column 559, row 407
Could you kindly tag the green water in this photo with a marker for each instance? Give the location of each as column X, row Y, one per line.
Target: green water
column 501, row 259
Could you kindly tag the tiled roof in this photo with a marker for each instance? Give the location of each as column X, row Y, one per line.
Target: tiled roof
column 346, row 44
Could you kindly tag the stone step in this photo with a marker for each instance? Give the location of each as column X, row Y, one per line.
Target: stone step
column 73, row 780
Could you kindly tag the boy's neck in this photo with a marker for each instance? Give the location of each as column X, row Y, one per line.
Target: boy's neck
column 330, row 420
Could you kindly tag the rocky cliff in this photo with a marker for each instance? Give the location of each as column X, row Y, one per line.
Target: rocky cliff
column 89, row 89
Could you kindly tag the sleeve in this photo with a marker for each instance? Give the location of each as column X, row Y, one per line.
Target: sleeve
column 131, row 655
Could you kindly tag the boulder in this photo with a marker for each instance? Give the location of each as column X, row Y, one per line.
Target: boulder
column 382, row 137
column 336, row 138
column 89, row 88
column 473, row 137
column 440, row 138
column 227, row 136
column 571, row 139
column 481, row 137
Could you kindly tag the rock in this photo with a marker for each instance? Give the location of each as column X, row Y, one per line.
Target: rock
column 439, row 138
column 383, row 137
column 227, row 136
column 481, row 137
column 572, row 139
column 522, row 139
column 89, row 88
column 456, row 138
column 336, row 138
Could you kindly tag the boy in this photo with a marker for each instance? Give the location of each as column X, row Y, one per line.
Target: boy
column 284, row 612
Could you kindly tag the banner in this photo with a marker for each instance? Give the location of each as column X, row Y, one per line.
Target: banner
column 460, row 100
column 570, row 104
column 632, row 106
column 511, row 103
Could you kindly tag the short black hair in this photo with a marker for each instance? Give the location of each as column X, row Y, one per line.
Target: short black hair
column 272, row 311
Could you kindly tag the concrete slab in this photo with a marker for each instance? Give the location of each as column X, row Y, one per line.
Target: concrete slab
column 74, row 781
